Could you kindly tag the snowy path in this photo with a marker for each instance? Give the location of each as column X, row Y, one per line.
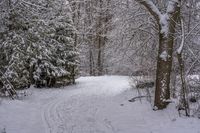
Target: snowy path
column 76, row 111
column 93, row 105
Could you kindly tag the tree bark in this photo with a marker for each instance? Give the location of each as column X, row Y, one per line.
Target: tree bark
column 100, row 39
column 91, row 63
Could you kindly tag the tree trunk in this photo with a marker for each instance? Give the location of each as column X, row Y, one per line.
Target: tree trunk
column 91, row 63
column 164, row 65
column 164, row 61
column 99, row 39
column 183, row 99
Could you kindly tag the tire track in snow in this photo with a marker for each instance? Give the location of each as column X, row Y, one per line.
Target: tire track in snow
column 53, row 114
column 74, row 114
column 52, row 118
column 78, row 111
column 82, row 116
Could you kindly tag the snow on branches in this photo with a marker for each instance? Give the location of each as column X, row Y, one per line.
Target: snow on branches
column 36, row 35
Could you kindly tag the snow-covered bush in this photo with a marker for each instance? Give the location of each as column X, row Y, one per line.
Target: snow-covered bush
column 192, row 94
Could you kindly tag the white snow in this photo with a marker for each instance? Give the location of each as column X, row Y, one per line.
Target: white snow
column 193, row 77
column 67, row 2
column 180, row 49
column 171, row 7
column 164, row 24
column 93, row 105
column 164, row 55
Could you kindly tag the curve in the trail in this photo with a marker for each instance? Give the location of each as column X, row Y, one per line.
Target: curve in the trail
column 76, row 111
column 52, row 117
column 93, row 105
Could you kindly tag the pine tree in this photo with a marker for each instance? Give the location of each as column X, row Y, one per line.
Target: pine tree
column 37, row 45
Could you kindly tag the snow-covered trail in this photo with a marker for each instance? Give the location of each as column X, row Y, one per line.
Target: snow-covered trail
column 71, row 109
column 93, row 105
column 76, row 110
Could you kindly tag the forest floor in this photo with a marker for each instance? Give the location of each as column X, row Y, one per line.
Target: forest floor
column 93, row 105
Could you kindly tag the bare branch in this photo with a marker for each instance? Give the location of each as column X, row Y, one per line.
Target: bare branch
column 180, row 49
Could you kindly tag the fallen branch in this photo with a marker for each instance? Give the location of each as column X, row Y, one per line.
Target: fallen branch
column 138, row 97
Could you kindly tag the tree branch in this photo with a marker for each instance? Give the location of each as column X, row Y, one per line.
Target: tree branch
column 151, row 7
column 180, row 49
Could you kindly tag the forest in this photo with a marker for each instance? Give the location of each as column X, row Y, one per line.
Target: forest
column 94, row 57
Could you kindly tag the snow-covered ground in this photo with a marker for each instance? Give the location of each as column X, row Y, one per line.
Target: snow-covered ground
column 93, row 105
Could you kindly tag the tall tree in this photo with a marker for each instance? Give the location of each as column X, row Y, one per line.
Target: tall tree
column 166, row 24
